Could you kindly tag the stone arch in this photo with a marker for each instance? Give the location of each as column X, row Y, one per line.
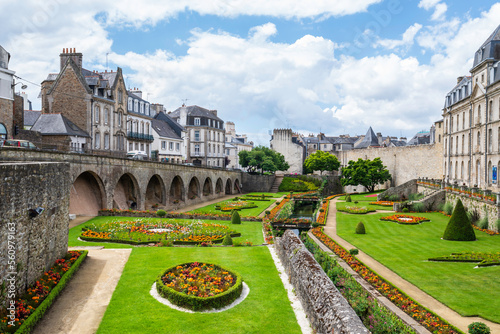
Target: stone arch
column 177, row 192
column 87, row 195
column 155, row 191
column 126, row 194
column 194, row 188
column 228, row 187
column 237, row 186
column 219, row 186
column 207, row 187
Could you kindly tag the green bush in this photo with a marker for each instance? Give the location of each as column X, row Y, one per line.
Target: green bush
column 483, row 223
column 267, row 212
column 459, row 227
column 360, row 228
column 354, row 251
column 478, row 328
column 473, row 216
column 228, row 241
column 418, row 207
column 394, row 198
column 299, row 184
column 498, row 225
column 348, row 198
column 405, row 210
column 166, row 243
column 448, row 208
column 161, row 213
column 235, row 218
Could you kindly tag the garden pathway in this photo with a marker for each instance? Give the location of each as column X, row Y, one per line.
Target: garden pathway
column 411, row 290
column 81, row 306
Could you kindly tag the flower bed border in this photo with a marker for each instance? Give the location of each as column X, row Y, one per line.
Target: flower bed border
column 387, row 289
column 132, row 242
column 173, row 215
column 29, row 324
column 416, row 220
column 198, row 303
column 347, row 210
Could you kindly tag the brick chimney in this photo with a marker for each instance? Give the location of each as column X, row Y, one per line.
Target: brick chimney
column 71, row 53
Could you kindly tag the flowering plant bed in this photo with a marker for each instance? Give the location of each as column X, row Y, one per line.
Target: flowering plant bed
column 237, row 205
column 31, row 306
column 356, row 210
column 180, row 215
column 144, row 232
column 382, row 203
column 484, row 259
column 199, row 286
column 405, row 219
column 321, row 218
column 425, row 317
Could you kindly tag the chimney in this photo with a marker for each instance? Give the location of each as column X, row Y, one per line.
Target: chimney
column 459, row 79
column 183, row 116
column 137, row 92
column 214, row 112
column 71, row 53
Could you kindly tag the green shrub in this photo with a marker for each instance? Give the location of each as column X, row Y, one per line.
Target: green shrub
column 405, row 210
column 498, row 225
column 321, row 210
column 299, row 184
column 360, row 228
column 161, row 213
column 473, row 216
column 228, row 241
column 394, row 198
column 235, row 218
column 166, row 243
column 459, row 227
column 448, row 208
column 418, row 207
column 217, row 207
column 478, row 328
column 267, row 212
column 483, row 223
column 348, row 198
column 354, row 251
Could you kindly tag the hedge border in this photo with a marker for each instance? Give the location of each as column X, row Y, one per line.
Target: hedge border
column 30, row 323
column 198, row 303
column 169, row 215
column 132, row 242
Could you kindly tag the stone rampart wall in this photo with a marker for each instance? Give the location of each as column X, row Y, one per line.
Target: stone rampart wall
column 326, row 308
column 484, row 209
column 29, row 246
column 256, row 183
column 403, row 191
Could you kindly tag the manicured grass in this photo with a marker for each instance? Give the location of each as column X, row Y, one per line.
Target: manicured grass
column 405, row 250
column 251, row 231
column 254, row 212
column 265, row 310
column 274, row 195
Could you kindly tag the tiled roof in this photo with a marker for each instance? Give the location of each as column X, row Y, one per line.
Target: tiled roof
column 57, row 124
column 195, row 111
column 30, row 117
column 163, row 129
column 369, row 140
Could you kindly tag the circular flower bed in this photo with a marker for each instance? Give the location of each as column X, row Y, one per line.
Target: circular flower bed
column 199, row 286
column 144, row 232
column 356, row 210
column 405, row 219
column 237, row 205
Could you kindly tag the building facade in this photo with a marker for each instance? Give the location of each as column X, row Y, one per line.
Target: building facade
column 471, row 118
column 235, row 143
column 290, row 144
column 139, row 131
column 6, row 96
column 168, row 145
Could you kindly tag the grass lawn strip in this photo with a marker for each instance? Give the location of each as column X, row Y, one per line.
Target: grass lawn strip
column 258, row 207
column 133, row 310
column 406, row 249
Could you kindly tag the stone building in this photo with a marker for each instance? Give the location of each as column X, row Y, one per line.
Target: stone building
column 169, row 136
column 205, row 135
column 234, row 144
column 6, row 96
column 59, row 133
column 89, row 100
column 139, row 131
column 290, row 144
column 471, row 117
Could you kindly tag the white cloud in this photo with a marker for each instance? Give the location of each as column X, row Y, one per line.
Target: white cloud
column 406, row 41
column 428, row 4
column 439, row 7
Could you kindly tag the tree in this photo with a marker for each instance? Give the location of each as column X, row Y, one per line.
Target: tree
column 367, row 173
column 264, row 159
column 322, row 161
column 459, row 227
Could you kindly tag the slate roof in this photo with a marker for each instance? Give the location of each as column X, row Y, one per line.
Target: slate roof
column 462, row 90
column 57, row 124
column 421, row 138
column 490, row 49
column 30, row 117
column 176, row 127
column 195, row 111
column 369, row 140
column 163, row 129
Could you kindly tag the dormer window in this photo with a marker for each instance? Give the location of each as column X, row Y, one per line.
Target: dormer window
column 130, row 103
column 197, row 121
column 136, row 106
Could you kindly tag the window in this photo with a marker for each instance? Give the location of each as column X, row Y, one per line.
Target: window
column 197, row 121
column 142, row 147
column 451, row 145
column 439, row 138
column 3, row 131
column 171, row 146
column 197, row 135
column 462, row 171
column 478, row 114
column 120, row 115
column 130, row 146
column 463, row 139
column 97, row 114
column 490, row 140
column 463, row 120
column 147, row 109
column 142, row 108
column 120, row 96
column 478, row 139
column 218, row 136
column 97, row 140
column 209, row 121
column 106, row 141
column 177, row 146
column 136, row 106
column 197, row 149
column 130, row 104
column 456, row 145
column 163, row 144
column 490, row 112
column 106, row 115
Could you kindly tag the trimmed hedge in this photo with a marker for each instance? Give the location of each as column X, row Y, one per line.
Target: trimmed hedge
column 360, row 228
column 30, row 323
column 198, row 303
column 235, row 218
column 459, row 227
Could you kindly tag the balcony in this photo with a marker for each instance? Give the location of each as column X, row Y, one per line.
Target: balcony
column 139, row 136
column 196, row 154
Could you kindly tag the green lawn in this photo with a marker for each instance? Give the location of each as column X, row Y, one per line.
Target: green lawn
column 265, row 310
column 363, row 201
column 405, row 250
column 274, row 195
column 254, row 212
column 251, row 231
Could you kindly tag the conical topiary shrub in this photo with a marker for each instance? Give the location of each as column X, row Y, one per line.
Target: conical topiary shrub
column 360, row 228
column 348, row 198
column 235, row 218
column 228, row 241
column 459, row 227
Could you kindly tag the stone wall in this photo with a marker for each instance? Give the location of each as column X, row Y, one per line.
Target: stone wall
column 294, row 153
column 484, row 209
column 256, row 183
column 404, row 163
column 6, row 115
column 402, row 191
column 30, row 246
column 326, row 308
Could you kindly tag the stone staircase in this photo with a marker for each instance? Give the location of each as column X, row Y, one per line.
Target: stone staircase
column 276, row 184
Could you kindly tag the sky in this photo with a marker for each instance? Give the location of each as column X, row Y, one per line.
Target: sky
column 328, row 66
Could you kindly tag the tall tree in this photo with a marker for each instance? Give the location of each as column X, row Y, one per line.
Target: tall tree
column 264, row 159
column 322, row 161
column 367, row 173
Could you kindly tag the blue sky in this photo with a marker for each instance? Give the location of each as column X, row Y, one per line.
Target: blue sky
column 331, row 66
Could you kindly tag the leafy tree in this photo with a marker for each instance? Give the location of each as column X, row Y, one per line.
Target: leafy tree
column 322, row 161
column 367, row 173
column 264, row 159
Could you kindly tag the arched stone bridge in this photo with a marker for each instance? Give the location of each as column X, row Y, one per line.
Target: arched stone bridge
column 105, row 182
